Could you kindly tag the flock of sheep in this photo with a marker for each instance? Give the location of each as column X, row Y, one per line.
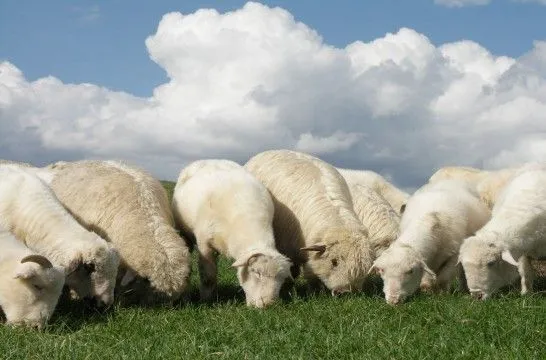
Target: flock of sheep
column 106, row 230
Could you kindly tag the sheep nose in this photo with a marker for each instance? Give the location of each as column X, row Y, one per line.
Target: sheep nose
column 478, row 295
column 338, row 292
column 395, row 300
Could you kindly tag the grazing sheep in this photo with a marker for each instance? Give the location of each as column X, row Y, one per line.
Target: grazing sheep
column 231, row 213
column 502, row 249
column 437, row 218
column 394, row 196
column 377, row 215
column 30, row 210
column 129, row 208
column 30, row 286
column 314, row 216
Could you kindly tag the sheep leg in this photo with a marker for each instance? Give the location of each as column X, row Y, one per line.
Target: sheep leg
column 207, row 273
column 445, row 275
column 527, row 274
column 314, row 284
column 461, row 277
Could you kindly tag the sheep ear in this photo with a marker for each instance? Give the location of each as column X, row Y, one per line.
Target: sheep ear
column 402, row 209
column 507, row 256
column 428, row 270
column 246, row 260
column 320, row 248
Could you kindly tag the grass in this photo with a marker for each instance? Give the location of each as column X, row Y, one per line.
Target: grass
column 301, row 326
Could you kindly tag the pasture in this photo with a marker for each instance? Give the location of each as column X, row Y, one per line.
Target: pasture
column 301, row 326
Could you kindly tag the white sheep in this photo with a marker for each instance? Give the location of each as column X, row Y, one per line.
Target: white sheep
column 30, row 209
column 377, row 215
column 314, row 222
column 499, row 252
column 30, row 286
column 394, row 196
column 231, row 213
column 131, row 209
column 436, row 220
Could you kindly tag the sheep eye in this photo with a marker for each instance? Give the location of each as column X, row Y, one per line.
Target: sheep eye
column 491, row 263
column 38, row 287
column 410, row 271
column 334, row 262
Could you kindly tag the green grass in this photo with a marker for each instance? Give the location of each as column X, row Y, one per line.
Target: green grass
column 300, row 326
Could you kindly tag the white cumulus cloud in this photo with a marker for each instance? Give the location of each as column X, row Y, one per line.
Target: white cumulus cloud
column 254, row 79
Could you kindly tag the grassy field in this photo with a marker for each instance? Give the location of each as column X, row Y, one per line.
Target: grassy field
column 301, row 326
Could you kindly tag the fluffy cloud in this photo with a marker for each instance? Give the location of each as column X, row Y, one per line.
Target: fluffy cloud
column 461, row 3
column 255, row 79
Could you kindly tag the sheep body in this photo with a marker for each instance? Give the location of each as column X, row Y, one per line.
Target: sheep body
column 314, row 222
column 488, row 183
column 129, row 208
column 394, row 196
column 377, row 215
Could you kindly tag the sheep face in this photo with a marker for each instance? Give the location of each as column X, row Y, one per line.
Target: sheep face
column 485, row 269
column 261, row 277
column 30, row 292
column 340, row 266
column 95, row 278
column 401, row 270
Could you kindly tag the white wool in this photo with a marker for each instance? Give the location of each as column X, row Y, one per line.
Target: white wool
column 437, row 218
column 29, row 291
column 394, row 196
column 229, row 211
column 30, row 209
column 516, row 232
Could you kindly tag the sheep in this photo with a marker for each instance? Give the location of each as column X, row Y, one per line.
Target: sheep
column 437, row 218
column 394, row 196
column 129, row 208
column 30, row 210
column 231, row 213
column 377, row 215
column 500, row 252
column 30, row 286
column 314, row 221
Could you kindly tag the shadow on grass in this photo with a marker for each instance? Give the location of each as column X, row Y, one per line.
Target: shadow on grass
column 72, row 315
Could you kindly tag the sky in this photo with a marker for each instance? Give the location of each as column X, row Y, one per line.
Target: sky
column 398, row 87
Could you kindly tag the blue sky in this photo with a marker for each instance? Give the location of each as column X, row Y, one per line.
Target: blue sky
column 399, row 87
column 102, row 42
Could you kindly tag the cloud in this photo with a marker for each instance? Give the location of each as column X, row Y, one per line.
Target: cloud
column 255, row 79
column 461, row 3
